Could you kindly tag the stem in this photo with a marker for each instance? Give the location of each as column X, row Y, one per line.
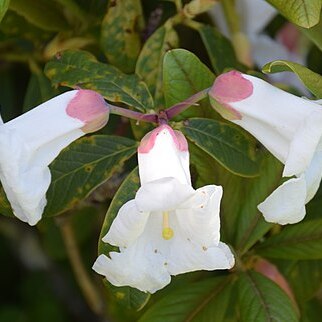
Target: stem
column 231, row 16
column 195, row 25
column 182, row 106
column 178, row 4
column 238, row 37
column 151, row 118
column 93, row 299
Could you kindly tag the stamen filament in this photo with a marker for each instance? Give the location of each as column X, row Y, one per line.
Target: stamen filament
column 167, row 232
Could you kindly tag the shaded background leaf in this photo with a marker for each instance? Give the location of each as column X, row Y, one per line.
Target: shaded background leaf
column 4, row 5
column 121, row 34
column 299, row 241
column 45, row 15
column 150, row 62
column 220, row 50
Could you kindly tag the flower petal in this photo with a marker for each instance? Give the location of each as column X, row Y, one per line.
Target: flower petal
column 198, row 217
column 265, row 49
column 188, row 257
column 249, row 9
column 29, row 143
column 286, row 204
column 163, row 152
column 304, row 144
column 25, row 184
column 276, row 118
column 127, row 226
column 182, row 253
column 132, row 268
column 146, row 278
column 162, row 195
column 313, row 176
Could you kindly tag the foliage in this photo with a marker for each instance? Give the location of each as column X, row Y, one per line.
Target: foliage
column 146, row 56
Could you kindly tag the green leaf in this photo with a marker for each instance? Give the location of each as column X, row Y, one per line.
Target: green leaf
column 225, row 143
column 312, row 311
column 4, row 5
column 39, row 90
column 242, row 225
column 150, row 61
column 304, row 277
column 183, row 76
column 250, row 223
column 311, row 80
column 262, row 300
column 80, row 68
column 314, row 34
column 5, row 208
column 120, row 36
column 300, row 241
column 126, row 192
column 201, row 301
column 127, row 296
column 45, row 14
column 219, row 48
column 74, row 13
column 84, row 165
column 304, row 13
column 17, row 27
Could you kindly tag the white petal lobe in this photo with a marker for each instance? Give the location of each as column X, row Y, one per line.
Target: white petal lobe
column 286, row 204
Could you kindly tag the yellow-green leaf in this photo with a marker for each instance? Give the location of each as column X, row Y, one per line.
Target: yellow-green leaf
column 77, row 68
column 43, row 14
column 150, row 61
column 311, row 80
column 120, row 36
column 304, row 13
column 4, row 5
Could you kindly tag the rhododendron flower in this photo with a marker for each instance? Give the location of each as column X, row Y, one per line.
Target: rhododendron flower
column 169, row 228
column 254, row 16
column 30, row 142
column 288, row 126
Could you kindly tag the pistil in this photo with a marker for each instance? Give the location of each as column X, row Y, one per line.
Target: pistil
column 167, row 232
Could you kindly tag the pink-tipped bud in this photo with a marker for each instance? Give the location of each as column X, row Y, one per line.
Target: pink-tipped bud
column 148, row 141
column 290, row 37
column 229, row 88
column 90, row 108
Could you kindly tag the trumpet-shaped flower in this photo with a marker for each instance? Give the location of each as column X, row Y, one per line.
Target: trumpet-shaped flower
column 30, row 142
column 288, row 126
column 254, row 16
column 169, row 228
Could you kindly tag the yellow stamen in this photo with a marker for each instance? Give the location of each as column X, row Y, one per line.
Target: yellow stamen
column 167, row 232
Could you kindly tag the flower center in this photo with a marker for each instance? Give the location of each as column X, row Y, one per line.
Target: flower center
column 167, row 232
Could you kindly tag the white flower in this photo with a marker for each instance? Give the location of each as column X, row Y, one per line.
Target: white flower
column 169, row 228
column 30, row 142
column 288, row 126
column 254, row 16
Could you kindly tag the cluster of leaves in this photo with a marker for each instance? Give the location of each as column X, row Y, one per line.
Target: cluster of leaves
column 131, row 52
